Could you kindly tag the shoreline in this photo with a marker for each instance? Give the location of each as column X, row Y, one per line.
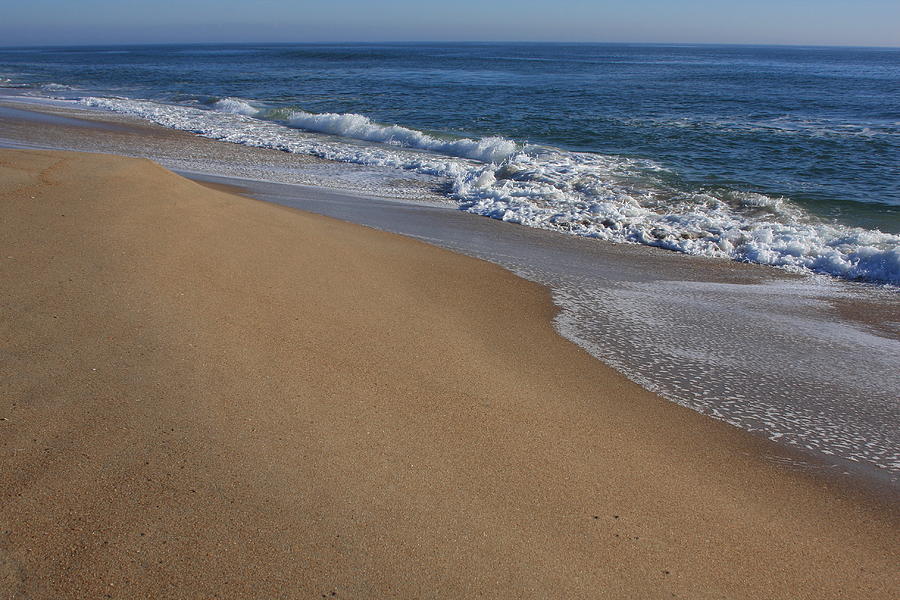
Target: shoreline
column 870, row 312
column 269, row 402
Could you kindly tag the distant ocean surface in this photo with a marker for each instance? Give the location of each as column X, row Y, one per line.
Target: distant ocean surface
column 785, row 156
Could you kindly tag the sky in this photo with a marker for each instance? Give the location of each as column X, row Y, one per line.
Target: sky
column 804, row 22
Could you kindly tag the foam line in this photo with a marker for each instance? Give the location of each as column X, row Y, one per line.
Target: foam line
column 606, row 197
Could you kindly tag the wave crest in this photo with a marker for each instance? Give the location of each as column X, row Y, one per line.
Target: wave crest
column 488, row 149
column 235, row 106
column 607, row 197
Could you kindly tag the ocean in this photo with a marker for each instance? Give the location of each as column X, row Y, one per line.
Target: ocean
column 783, row 156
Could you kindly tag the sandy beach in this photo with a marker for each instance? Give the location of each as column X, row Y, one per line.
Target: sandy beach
column 207, row 396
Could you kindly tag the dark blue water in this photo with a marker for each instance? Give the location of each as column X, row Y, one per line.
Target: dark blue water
column 817, row 126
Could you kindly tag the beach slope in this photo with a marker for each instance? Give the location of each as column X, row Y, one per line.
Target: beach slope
column 207, row 396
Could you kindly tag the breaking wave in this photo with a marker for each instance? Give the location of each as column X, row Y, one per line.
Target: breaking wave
column 606, row 197
column 235, row 106
column 359, row 127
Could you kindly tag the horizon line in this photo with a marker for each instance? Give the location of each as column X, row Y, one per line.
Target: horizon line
column 437, row 42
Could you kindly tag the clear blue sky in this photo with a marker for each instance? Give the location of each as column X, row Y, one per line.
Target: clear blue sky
column 811, row 22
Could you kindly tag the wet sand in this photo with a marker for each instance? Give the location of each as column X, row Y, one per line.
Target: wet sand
column 205, row 395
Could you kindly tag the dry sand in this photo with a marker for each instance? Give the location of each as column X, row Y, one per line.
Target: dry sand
column 206, row 396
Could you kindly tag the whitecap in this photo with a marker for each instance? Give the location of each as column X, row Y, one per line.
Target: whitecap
column 607, row 197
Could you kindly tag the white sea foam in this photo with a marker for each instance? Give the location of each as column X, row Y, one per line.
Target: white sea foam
column 489, row 149
column 6, row 82
column 782, row 125
column 56, row 87
column 746, row 370
column 235, row 106
column 606, row 197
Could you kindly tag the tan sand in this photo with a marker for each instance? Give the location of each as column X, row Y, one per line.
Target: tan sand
column 206, row 396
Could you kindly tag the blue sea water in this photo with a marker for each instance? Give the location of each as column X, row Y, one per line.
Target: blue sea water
column 778, row 155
